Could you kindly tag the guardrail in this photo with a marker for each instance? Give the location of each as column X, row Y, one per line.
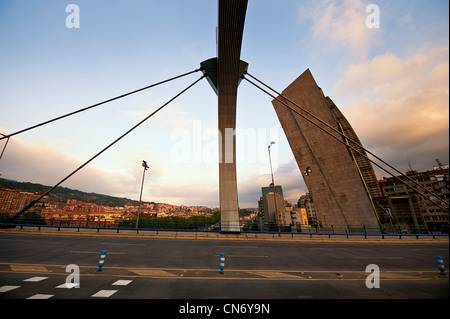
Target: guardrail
column 329, row 235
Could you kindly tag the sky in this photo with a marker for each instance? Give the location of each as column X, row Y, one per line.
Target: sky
column 385, row 66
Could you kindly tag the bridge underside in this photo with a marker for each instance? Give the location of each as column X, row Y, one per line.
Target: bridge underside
column 230, row 31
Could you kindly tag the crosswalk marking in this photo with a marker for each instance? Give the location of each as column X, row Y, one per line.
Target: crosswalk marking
column 40, row 296
column 35, row 279
column 68, row 285
column 104, row 293
column 122, row 282
column 8, row 288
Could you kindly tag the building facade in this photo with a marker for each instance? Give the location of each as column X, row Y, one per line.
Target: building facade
column 12, row 201
column 306, row 204
column 270, row 206
column 420, row 211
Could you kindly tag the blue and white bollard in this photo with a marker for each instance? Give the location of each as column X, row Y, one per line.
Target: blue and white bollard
column 102, row 260
column 222, row 262
column 440, row 263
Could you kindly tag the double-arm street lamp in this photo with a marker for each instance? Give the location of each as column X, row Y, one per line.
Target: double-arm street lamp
column 145, row 166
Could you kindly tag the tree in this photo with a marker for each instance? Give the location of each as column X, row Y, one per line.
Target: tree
column 32, row 218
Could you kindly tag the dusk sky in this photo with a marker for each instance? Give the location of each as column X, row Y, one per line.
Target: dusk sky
column 391, row 82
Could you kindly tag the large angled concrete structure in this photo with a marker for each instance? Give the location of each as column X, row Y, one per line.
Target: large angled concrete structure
column 224, row 75
column 342, row 183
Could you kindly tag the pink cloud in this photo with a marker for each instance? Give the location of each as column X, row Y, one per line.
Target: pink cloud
column 400, row 105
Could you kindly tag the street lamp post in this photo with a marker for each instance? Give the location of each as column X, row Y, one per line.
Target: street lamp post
column 145, row 166
column 273, row 185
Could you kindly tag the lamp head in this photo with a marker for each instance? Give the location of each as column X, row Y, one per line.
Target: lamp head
column 307, row 171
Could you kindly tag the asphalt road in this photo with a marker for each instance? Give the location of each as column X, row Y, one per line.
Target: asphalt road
column 137, row 268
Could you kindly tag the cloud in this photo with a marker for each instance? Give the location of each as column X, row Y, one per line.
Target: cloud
column 184, row 192
column 172, row 117
column 174, row 184
column 340, row 26
column 400, row 106
column 44, row 164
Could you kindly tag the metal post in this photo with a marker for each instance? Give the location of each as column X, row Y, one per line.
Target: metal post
column 144, row 164
column 440, row 263
column 101, row 260
column 273, row 185
column 222, row 263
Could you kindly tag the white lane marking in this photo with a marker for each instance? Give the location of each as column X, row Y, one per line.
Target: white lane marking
column 376, row 257
column 244, row 247
column 8, row 288
column 242, row 256
column 104, row 293
column 40, row 296
column 93, row 252
column 123, row 244
column 122, row 282
column 35, row 279
column 68, row 285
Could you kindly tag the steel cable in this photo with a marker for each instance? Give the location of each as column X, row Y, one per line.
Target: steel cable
column 341, row 141
column 103, row 150
column 348, row 138
column 95, row 105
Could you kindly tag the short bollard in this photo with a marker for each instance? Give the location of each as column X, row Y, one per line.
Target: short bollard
column 102, row 260
column 222, row 262
column 440, row 263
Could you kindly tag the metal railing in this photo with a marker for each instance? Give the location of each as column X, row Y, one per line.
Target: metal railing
column 214, row 229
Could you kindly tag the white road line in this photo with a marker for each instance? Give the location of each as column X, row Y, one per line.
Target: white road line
column 35, row 279
column 68, row 285
column 252, row 247
column 40, row 296
column 122, row 282
column 93, row 252
column 8, row 288
column 242, row 256
column 122, row 244
column 104, row 293
column 376, row 257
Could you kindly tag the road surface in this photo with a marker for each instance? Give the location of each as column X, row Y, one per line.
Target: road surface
column 34, row 266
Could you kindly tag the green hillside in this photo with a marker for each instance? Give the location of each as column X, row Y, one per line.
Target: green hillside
column 63, row 194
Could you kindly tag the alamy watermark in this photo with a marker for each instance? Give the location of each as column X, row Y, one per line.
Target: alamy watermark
column 373, row 279
column 373, row 19
column 73, row 280
column 73, row 19
column 204, row 145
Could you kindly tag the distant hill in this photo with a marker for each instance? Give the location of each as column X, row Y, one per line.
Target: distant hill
column 63, row 194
